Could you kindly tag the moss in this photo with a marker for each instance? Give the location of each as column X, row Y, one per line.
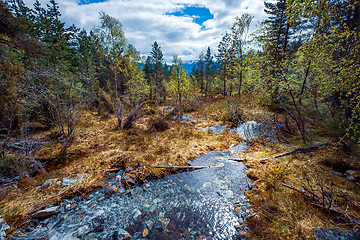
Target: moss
column 13, row 166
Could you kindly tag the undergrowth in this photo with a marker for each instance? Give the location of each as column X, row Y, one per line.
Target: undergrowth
column 295, row 194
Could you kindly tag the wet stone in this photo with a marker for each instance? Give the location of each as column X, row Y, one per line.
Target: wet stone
column 45, row 185
column 121, row 234
column 158, row 226
column 3, row 227
column 136, row 213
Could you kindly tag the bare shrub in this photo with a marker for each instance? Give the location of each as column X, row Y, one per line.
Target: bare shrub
column 158, row 124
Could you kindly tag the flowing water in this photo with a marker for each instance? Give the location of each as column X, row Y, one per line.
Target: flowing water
column 203, row 204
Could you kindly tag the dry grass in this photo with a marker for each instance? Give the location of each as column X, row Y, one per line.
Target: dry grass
column 282, row 213
column 279, row 212
column 97, row 146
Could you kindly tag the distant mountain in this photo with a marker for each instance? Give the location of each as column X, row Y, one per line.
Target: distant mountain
column 188, row 65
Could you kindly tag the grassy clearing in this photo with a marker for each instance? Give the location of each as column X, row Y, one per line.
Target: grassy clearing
column 98, row 146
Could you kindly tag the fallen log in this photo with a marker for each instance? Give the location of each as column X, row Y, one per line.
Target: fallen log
column 298, row 149
column 173, row 112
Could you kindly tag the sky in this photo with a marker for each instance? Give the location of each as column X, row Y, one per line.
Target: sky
column 181, row 27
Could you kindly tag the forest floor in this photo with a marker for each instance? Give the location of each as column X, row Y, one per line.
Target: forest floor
column 282, row 209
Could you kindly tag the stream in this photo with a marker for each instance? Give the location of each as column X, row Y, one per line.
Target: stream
column 203, row 204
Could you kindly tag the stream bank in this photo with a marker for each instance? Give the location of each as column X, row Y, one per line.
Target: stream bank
column 207, row 204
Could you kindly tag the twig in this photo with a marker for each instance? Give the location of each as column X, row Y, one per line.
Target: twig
column 292, row 188
column 352, row 219
column 235, row 159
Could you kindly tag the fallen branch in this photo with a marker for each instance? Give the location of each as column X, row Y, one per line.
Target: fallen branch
column 298, row 149
column 333, row 209
column 112, row 170
column 173, row 112
column 185, row 167
column 235, row 159
column 292, row 188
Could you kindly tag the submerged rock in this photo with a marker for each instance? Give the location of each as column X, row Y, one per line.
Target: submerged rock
column 121, row 234
column 330, row 234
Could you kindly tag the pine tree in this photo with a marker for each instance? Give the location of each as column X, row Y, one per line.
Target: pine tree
column 277, row 33
column 158, row 67
column 149, row 76
column 208, row 70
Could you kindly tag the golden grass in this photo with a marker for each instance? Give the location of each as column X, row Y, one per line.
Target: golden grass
column 282, row 213
column 98, row 146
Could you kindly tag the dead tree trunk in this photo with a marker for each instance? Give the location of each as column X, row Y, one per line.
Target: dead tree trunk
column 119, row 113
column 132, row 117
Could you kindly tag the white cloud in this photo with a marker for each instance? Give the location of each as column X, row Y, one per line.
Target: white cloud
column 145, row 21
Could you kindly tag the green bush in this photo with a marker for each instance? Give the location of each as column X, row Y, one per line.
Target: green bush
column 12, row 165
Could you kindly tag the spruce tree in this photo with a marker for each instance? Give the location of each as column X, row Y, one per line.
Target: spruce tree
column 158, row 67
column 208, row 70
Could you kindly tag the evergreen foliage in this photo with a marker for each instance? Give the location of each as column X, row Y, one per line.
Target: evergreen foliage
column 308, row 63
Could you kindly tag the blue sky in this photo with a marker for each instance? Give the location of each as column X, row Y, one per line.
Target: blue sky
column 84, row 2
column 199, row 14
column 181, row 27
